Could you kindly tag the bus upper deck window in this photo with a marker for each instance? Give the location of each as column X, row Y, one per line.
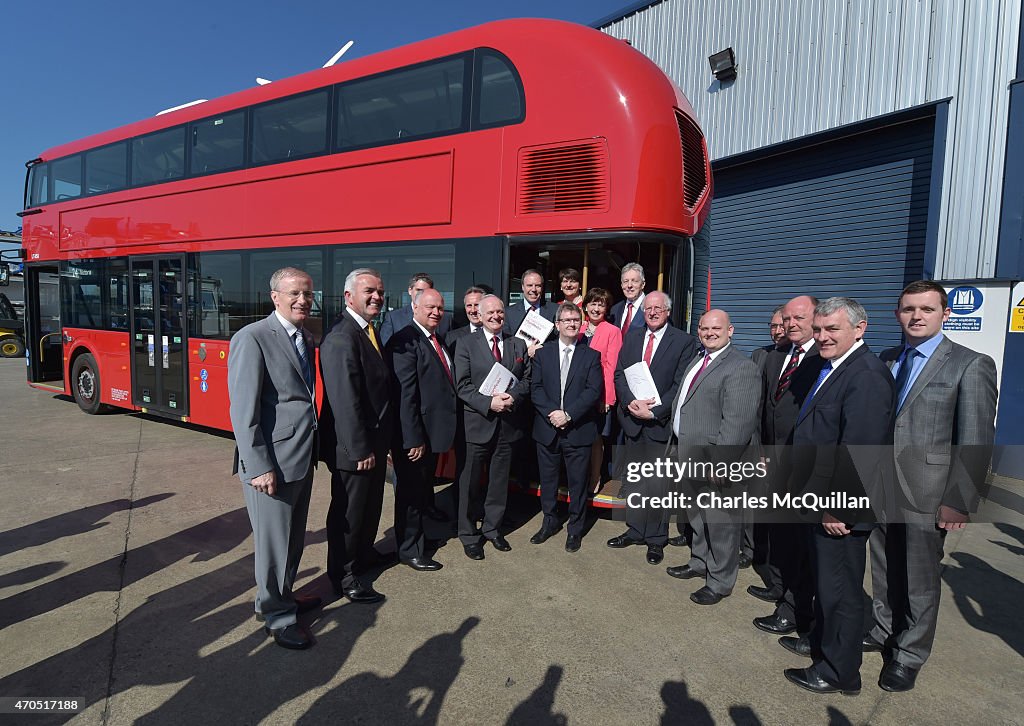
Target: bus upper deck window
column 500, row 91
column 67, row 177
column 38, row 185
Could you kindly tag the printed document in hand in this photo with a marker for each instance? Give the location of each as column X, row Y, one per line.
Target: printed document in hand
column 498, row 380
column 641, row 385
column 535, row 328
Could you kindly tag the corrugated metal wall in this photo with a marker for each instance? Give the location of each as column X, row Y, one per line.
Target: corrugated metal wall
column 810, row 65
column 829, row 220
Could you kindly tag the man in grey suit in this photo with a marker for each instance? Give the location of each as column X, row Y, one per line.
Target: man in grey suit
column 946, row 406
column 714, row 420
column 271, row 384
column 493, row 425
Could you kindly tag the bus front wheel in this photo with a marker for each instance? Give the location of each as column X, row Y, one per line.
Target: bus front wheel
column 11, row 347
column 85, row 383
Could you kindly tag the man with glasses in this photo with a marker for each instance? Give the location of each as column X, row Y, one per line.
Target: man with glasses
column 666, row 350
column 566, row 390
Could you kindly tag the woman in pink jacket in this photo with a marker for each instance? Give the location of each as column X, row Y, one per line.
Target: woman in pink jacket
column 606, row 339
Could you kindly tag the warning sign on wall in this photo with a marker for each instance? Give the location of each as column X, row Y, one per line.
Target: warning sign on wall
column 1017, row 309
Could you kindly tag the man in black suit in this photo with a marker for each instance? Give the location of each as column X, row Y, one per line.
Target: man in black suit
column 627, row 314
column 356, row 431
column 945, row 425
column 789, row 376
column 401, row 317
column 843, row 433
column 647, row 427
column 471, row 304
column 777, row 331
column 424, row 399
column 493, row 423
column 533, row 300
column 566, row 389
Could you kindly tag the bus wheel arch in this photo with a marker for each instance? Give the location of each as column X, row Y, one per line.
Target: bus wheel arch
column 85, row 382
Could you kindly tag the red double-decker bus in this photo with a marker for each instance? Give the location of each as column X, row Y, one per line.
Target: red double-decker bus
column 473, row 157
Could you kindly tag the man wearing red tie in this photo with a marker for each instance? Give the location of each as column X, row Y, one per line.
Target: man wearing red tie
column 628, row 314
column 493, row 423
column 423, row 393
column 666, row 350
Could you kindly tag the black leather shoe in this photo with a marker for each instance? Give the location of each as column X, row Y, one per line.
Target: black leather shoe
column 798, row 645
column 678, row 541
column 474, row 551
column 543, row 535
column 745, row 561
column 775, row 623
column 897, row 677
column 293, row 637
column 623, row 540
column 764, row 593
column 360, row 593
column 422, row 564
column 706, row 596
column 500, row 543
column 573, row 543
column 655, row 554
column 870, row 645
column 808, row 678
column 684, row 572
column 436, row 514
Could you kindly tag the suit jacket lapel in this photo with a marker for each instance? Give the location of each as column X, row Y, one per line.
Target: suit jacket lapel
column 830, row 381
column 432, row 353
column 288, row 345
column 715, row 362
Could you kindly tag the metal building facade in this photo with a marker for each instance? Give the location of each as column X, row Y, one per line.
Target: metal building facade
column 807, row 66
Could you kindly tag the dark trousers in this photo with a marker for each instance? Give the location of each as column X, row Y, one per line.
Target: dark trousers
column 906, row 569
column 647, row 525
column 488, row 504
column 839, row 606
column 357, row 498
column 414, row 489
column 577, row 474
column 715, row 543
column 278, row 532
column 790, row 553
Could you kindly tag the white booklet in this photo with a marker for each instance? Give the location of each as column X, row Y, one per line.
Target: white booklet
column 535, row 328
column 499, row 380
column 641, row 385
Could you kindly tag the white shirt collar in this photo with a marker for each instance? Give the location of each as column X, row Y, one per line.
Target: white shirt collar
column 839, row 361
column 357, row 318
column 562, row 346
column 718, row 352
column 286, row 324
column 422, row 329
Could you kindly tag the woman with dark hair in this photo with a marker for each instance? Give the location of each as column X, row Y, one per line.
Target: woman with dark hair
column 571, row 283
column 606, row 339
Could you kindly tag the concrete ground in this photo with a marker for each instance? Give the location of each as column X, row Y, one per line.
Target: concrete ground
column 126, row 581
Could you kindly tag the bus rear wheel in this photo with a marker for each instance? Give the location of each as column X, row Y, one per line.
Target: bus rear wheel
column 85, row 384
column 11, row 347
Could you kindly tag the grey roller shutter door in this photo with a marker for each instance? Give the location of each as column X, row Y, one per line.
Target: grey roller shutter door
column 843, row 217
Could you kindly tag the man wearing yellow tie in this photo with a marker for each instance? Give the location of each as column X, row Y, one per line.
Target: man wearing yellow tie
column 356, row 424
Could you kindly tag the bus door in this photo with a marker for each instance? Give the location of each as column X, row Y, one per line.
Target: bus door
column 158, row 286
column 44, row 344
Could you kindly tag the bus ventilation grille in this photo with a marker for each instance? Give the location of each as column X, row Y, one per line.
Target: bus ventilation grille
column 695, row 167
column 566, row 177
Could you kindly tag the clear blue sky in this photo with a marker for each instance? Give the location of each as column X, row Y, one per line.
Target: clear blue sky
column 72, row 69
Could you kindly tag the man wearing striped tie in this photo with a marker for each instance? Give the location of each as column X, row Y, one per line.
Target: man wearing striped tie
column 356, row 425
column 789, row 375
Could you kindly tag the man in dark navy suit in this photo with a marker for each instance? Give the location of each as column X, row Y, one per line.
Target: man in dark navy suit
column 646, row 426
column 533, row 299
column 471, row 304
column 566, row 389
column 627, row 314
column 842, row 446
column 401, row 317
column 425, row 402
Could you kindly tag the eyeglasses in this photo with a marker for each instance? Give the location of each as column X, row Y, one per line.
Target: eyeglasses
column 655, row 310
column 570, row 321
column 295, row 294
column 773, row 326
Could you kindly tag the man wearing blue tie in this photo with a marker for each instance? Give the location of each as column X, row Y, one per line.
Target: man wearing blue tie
column 945, row 425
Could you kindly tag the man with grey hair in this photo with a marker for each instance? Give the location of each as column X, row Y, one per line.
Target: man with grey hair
column 271, row 380
column 647, row 426
column 839, row 454
column 356, row 426
column 627, row 314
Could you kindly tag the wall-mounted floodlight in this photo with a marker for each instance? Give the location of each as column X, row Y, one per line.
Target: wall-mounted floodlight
column 723, row 65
